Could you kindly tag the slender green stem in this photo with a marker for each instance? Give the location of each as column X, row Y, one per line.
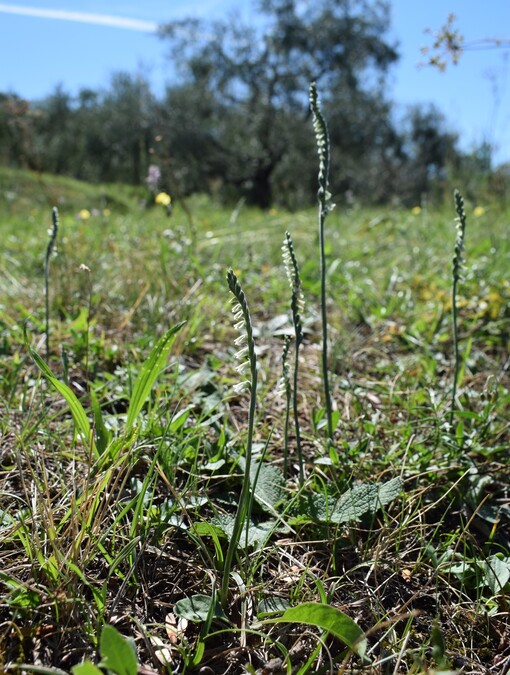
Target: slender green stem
column 325, row 206
column 296, row 416
column 243, row 319
column 456, row 349
column 324, row 319
column 458, row 261
column 286, row 388
column 49, row 250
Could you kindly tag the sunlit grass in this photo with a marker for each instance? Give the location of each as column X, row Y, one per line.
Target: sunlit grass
column 122, row 538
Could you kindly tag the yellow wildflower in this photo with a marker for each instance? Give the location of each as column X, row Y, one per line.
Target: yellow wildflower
column 163, row 198
column 416, row 210
column 84, row 214
column 106, row 213
column 478, row 211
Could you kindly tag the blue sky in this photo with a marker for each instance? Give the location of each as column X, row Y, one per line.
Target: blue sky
column 80, row 44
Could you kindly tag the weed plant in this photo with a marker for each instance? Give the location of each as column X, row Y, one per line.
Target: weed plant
column 118, row 510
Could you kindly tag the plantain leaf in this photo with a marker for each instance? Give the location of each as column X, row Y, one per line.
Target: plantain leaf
column 353, row 505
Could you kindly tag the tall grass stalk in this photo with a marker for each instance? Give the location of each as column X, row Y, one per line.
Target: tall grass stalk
column 287, row 391
column 248, row 359
column 49, row 251
column 458, row 262
column 296, row 306
column 325, row 206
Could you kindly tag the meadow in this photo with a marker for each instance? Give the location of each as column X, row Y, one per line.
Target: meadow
column 158, row 516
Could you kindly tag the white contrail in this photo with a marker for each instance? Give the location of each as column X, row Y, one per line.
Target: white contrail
column 82, row 17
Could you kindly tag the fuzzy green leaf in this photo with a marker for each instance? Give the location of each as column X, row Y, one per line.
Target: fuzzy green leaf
column 255, row 537
column 365, row 499
column 353, row 505
column 269, row 484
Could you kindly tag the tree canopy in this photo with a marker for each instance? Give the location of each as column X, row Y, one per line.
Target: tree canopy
column 255, row 79
column 235, row 118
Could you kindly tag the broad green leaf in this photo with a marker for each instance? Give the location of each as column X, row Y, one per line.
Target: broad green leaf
column 149, row 373
column 272, row 605
column 365, row 499
column 86, row 668
column 496, row 572
column 198, row 608
column 257, row 535
column 353, row 505
column 79, row 416
column 117, row 652
column 328, row 618
column 270, row 486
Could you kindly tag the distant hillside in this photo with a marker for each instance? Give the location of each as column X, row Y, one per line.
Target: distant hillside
column 23, row 191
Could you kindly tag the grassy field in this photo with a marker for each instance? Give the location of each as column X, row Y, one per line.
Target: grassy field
column 386, row 550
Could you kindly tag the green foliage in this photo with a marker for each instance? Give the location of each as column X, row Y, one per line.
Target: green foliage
column 398, row 507
column 234, row 117
column 118, row 655
column 329, row 619
column 199, row 608
column 325, row 206
column 77, row 411
column 352, row 506
column 141, row 390
column 149, row 373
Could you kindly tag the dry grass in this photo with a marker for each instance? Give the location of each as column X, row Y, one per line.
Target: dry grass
column 87, row 541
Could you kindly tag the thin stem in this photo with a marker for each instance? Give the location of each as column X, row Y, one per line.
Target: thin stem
column 286, row 388
column 49, row 250
column 324, row 319
column 296, row 415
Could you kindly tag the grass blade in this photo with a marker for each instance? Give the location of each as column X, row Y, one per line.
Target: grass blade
column 79, row 416
column 149, row 373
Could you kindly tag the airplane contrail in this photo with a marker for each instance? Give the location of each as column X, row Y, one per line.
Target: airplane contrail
column 82, row 17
